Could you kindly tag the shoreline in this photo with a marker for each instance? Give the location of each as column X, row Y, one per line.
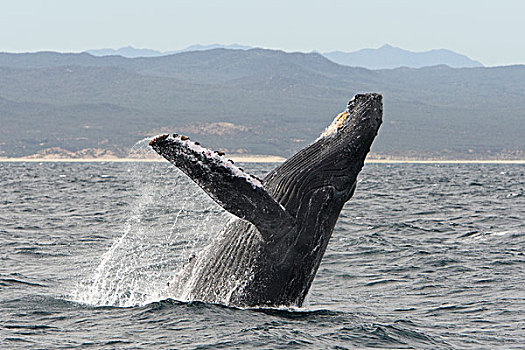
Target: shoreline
column 260, row 159
column 445, row 161
column 255, row 158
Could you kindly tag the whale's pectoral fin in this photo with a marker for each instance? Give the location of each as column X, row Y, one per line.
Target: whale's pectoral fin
column 236, row 191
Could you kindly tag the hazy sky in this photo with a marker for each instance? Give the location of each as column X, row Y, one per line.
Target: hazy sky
column 489, row 31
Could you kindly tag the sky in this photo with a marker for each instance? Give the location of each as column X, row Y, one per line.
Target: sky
column 488, row 31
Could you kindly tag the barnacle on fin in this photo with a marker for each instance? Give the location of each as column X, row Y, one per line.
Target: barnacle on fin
column 158, row 138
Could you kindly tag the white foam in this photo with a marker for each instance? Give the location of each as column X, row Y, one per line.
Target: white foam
column 162, row 231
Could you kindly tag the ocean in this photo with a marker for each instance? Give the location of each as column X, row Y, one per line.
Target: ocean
column 424, row 256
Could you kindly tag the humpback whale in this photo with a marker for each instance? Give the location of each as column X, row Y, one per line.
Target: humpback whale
column 269, row 253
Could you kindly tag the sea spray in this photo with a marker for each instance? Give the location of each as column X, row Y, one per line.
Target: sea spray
column 170, row 220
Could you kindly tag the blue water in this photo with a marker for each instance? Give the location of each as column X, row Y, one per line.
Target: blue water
column 423, row 256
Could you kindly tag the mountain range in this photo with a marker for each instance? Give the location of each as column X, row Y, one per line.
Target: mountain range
column 388, row 57
column 251, row 101
column 385, row 57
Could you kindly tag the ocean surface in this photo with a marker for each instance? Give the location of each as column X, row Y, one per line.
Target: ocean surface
column 423, row 256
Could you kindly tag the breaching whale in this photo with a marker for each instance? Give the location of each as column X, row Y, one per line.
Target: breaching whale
column 269, row 253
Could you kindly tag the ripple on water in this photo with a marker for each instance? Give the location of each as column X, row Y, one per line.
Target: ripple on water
column 423, row 256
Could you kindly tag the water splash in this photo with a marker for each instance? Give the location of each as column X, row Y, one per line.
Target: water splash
column 170, row 220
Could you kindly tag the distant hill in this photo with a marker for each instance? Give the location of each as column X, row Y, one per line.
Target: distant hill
column 388, row 57
column 131, row 52
column 251, row 101
column 128, row 51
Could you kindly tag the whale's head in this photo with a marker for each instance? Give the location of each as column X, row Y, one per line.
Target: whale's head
column 313, row 186
column 334, row 160
column 344, row 145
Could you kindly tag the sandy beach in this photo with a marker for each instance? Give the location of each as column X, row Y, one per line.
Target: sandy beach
column 254, row 158
column 262, row 159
